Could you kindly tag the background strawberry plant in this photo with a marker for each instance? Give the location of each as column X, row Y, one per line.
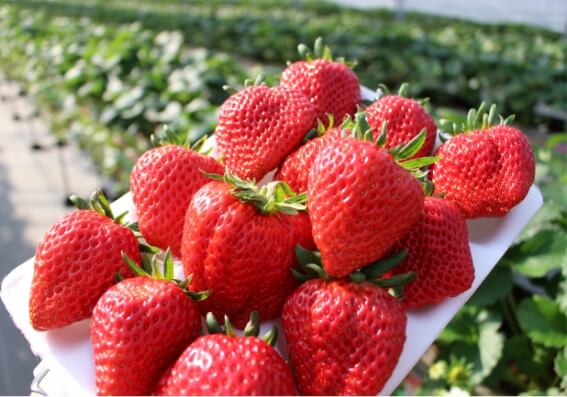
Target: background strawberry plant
column 108, row 74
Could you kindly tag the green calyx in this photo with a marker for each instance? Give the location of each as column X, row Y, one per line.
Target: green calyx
column 321, row 128
column 477, row 119
column 276, row 196
column 401, row 153
column 252, row 328
column 310, row 266
column 320, row 51
column 98, row 202
column 171, row 136
column 151, row 268
column 260, row 79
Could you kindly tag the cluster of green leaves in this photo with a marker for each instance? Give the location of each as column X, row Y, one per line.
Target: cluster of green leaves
column 511, row 337
column 111, row 87
column 451, row 61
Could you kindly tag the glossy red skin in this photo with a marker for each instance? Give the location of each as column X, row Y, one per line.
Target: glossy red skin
column 439, row 252
column 295, row 168
column 331, row 86
column 162, row 183
column 75, row 263
column 242, row 256
column 406, row 118
column 343, row 338
column 259, row 126
column 139, row 328
column 486, row 172
column 360, row 204
column 219, row 365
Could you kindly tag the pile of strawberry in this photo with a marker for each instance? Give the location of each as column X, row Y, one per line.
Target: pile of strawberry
column 378, row 228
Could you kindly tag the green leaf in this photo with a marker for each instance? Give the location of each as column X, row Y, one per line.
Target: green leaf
column 542, row 321
column 409, row 149
column 496, row 286
column 462, row 328
column 419, row 162
column 549, row 213
column 543, row 252
column 560, row 364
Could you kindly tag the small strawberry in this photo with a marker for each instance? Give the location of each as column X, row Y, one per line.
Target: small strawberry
column 295, row 169
column 238, row 242
column 438, row 252
column 259, row 126
column 486, row 169
column 229, row 365
column 361, row 200
column 344, row 337
column 405, row 118
column 162, row 183
column 331, row 86
column 139, row 327
column 76, row 261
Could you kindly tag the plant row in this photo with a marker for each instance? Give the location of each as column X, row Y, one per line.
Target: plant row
column 452, row 61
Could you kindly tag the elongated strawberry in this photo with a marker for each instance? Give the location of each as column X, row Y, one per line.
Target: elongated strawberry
column 229, row 365
column 361, row 201
column 295, row 169
column 486, row 169
column 438, row 252
column 344, row 337
column 76, row 261
column 405, row 118
column 259, row 126
column 162, row 183
column 139, row 327
column 238, row 242
column 331, row 85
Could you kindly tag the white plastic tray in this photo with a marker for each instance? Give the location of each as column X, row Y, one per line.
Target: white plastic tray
column 67, row 351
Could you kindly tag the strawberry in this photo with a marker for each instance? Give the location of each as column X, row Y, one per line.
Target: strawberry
column 238, row 242
column 295, row 168
column 229, row 365
column 486, row 169
column 361, row 201
column 259, row 126
column 162, row 183
column 344, row 337
column 139, row 327
column 404, row 119
column 438, row 252
column 76, row 261
column 331, row 86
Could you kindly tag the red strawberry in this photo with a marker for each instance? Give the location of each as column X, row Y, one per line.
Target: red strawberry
column 361, row 202
column 162, row 183
column 238, row 244
column 76, row 261
column 485, row 170
column 259, row 126
column 343, row 338
column 438, row 252
column 405, row 118
column 331, row 86
column 295, row 169
column 229, row 365
column 139, row 327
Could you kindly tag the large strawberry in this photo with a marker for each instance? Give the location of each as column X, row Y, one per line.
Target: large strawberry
column 139, row 327
column 361, row 201
column 331, row 86
column 238, row 242
column 404, row 118
column 438, row 252
column 486, row 169
column 259, row 126
column 162, row 183
column 295, row 169
column 76, row 261
column 344, row 337
column 229, row 365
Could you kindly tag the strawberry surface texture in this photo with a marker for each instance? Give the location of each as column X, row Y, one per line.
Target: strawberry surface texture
column 75, row 263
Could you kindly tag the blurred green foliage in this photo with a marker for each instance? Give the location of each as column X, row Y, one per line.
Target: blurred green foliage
column 452, row 61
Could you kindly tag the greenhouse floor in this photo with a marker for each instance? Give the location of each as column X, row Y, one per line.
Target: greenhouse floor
column 31, row 199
